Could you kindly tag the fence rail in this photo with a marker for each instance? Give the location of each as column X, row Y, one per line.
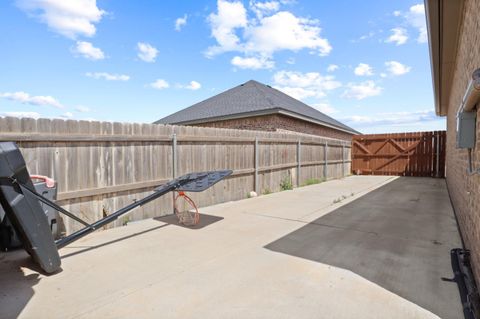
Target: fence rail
column 407, row 154
column 102, row 166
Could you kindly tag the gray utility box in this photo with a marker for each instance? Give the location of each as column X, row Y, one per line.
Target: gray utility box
column 466, row 122
column 9, row 238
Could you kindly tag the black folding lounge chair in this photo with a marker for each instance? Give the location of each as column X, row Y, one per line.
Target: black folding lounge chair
column 22, row 206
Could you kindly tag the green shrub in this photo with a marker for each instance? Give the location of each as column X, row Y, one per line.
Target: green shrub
column 286, row 184
column 266, row 191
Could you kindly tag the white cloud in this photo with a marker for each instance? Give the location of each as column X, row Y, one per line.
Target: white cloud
column 418, row 9
column 230, row 16
column 399, row 36
column 332, row 68
column 66, row 115
column 360, row 91
column 266, row 33
column 253, row 63
column 194, row 85
column 394, row 118
column 364, row 37
column 68, row 18
column 284, row 31
column 88, row 51
column 160, row 84
column 298, row 92
column 33, row 115
column 146, row 52
column 367, row 36
column 82, row 109
column 108, row 76
column 416, row 18
column 290, row 60
column 396, row 68
column 303, row 85
column 26, row 98
column 263, row 8
column 363, row 69
column 324, row 108
column 180, row 22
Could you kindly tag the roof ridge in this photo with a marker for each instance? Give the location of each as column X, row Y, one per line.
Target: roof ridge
column 250, row 97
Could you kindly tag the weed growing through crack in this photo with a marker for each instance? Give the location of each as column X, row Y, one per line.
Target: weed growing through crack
column 343, row 197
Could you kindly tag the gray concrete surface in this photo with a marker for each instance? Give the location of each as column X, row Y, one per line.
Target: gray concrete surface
column 265, row 257
column 398, row 236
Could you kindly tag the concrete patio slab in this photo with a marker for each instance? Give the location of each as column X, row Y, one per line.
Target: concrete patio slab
column 398, row 236
column 243, row 262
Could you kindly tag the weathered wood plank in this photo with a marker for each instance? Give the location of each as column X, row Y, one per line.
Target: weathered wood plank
column 102, row 166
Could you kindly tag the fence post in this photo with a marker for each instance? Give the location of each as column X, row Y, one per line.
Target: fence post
column 437, row 141
column 299, row 162
column 343, row 160
column 174, row 166
column 325, row 164
column 256, row 165
column 174, row 155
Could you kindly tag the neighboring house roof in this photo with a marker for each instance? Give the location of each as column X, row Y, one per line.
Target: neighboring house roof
column 444, row 19
column 251, row 99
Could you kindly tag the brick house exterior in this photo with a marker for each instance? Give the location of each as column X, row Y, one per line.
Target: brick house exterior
column 278, row 123
column 454, row 29
column 256, row 106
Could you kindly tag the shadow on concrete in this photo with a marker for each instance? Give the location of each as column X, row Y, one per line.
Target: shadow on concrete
column 460, row 280
column 89, row 248
column 16, row 288
column 398, row 236
column 205, row 220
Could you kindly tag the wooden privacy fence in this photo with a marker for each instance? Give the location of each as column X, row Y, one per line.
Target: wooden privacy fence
column 406, row 154
column 100, row 166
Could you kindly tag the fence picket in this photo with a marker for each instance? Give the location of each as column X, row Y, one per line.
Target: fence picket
column 408, row 154
column 101, row 166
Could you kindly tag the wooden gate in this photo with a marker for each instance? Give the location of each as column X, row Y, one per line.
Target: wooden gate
column 405, row 154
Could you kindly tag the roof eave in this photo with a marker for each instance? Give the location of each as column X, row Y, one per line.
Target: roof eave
column 309, row 119
column 260, row 113
column 222, row 117
column 444, row 20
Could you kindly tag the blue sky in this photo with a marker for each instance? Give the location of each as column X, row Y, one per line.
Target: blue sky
column 365, row 63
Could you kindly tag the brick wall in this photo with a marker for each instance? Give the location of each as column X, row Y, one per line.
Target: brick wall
column 278, row 122
column 465, row 190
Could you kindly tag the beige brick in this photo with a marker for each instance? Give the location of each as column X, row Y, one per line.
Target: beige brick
column 465, row 190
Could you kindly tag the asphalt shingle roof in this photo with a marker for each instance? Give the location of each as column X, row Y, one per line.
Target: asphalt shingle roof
column 250, row 97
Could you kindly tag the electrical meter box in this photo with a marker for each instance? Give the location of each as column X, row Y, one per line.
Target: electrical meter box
column 466, row 129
